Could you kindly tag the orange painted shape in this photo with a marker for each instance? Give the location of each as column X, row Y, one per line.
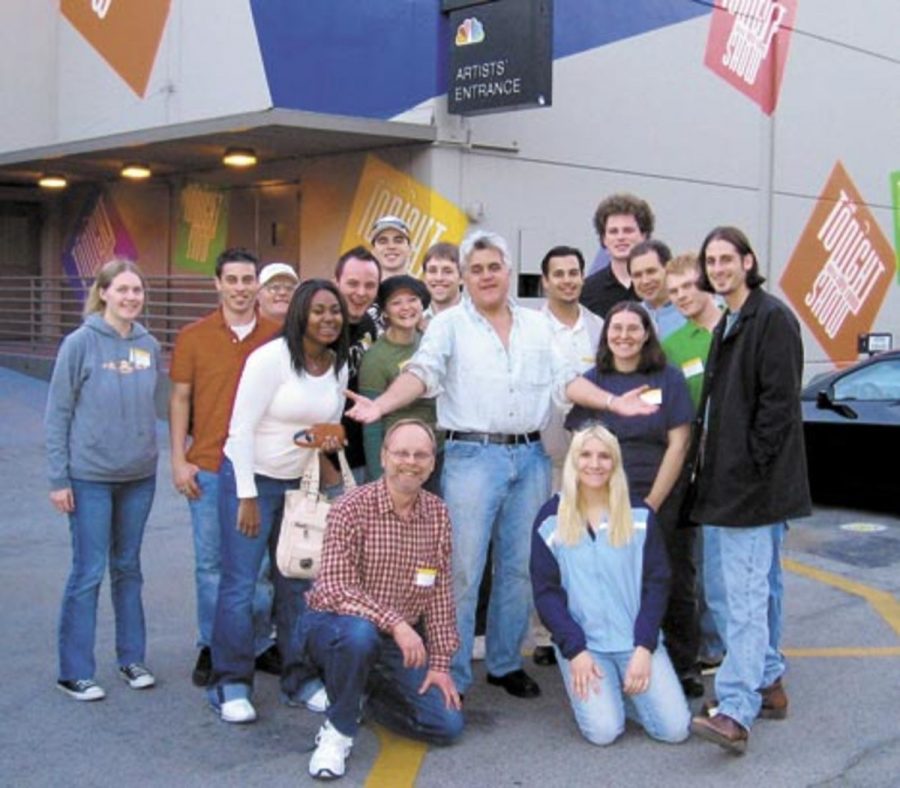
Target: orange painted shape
column 839, row 273
column 126, row 33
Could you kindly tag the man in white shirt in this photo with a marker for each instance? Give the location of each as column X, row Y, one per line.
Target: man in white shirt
column 494, row 370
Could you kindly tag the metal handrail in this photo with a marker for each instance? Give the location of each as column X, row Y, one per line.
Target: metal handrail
column 37, row 311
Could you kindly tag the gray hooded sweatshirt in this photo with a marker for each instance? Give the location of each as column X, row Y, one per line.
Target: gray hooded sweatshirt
column 101, row 418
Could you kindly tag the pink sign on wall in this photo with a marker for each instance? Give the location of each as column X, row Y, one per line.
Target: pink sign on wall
column 748, row 46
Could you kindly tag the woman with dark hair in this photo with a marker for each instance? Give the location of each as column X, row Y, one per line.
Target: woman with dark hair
column 653, row 452
column 288, row 385
column 101, row 447
column 600, row 579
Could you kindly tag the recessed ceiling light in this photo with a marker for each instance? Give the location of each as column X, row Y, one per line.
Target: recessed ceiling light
column 136, row 171
column 52, row 180
column 239, row 157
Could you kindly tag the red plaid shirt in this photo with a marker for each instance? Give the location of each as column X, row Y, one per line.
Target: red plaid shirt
column 386, row 569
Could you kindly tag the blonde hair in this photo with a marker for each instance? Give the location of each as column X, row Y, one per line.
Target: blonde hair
column 572, row 514
column 686, row 263
column 108, row 271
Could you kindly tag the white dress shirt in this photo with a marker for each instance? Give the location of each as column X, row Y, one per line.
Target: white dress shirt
column 578, row 344
column 482, row 386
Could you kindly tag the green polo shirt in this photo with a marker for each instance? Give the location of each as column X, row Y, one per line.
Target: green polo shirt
column 687, row 348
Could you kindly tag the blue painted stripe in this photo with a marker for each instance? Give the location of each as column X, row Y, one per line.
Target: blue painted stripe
column 378, row 58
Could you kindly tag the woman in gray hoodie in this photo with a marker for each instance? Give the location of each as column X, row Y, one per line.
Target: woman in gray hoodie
column 101, row 448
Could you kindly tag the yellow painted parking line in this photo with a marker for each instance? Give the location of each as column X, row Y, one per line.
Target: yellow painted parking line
column 885, row 604
column 398, row 761
column 844, row 651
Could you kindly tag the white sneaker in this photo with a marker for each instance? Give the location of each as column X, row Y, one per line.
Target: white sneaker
column 332, row 749
column 318, row 702
column 239, row 710
column 82, row 689
column 478, row 648
column 137, row 676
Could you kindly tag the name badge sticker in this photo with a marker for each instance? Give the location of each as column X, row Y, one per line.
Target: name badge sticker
column 140, row 359
column 425, row 577
column 692, row 367
column 652, row 396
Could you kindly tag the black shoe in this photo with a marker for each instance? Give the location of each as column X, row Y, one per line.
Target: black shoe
column 269, row 661
column 203, row 669
column 517, row 683
column 544, row 656
column 692, row 686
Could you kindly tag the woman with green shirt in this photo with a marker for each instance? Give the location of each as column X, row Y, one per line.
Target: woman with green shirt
column 401, row 301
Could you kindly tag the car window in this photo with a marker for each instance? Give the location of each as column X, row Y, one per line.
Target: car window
column 875, row 382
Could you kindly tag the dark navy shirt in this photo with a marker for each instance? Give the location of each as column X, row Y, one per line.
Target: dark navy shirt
column 643, row 439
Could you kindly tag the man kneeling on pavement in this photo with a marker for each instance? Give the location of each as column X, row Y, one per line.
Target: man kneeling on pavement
column 381, row 622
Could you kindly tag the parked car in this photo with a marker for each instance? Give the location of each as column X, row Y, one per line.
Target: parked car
column 851, row 422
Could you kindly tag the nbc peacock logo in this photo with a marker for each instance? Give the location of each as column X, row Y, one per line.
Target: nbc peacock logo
column 471, row 31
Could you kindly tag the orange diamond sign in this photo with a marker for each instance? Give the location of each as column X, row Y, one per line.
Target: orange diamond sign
column 126, row 33
column 840, row 271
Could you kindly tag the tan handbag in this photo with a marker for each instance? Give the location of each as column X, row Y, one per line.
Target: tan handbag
column 299, row 550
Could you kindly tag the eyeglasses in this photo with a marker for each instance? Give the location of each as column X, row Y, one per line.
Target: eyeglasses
column 277, row 288
column 406, row 456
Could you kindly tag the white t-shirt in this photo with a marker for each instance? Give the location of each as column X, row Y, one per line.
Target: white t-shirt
column 272, row 403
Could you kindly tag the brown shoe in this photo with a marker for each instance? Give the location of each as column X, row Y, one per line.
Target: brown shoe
column 774, row 702
column 722, row 730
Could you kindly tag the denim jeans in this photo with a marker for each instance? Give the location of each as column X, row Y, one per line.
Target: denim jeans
column 207, row 566
column 662, row 710
column 242, row 556
column 108, row 520
column 744, row 591
column 493, row 493
column 361, row 665
column 711, row 647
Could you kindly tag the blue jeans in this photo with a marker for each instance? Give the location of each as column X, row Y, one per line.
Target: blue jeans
column 662, row 710
column 108, row 520
column 361, row 665
column 493, row 493
column 207, row 566
column 711, row 647
column 242, row 556
column 744, row 592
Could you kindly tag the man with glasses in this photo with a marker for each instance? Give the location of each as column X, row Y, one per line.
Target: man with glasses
column 381, row 623
column 277, row 283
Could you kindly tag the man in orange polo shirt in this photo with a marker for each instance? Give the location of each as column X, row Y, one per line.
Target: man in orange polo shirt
column 206, row 365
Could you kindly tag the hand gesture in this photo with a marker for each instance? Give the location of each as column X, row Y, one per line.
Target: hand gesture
column 441, row 680
column 365, row 410
column 637, row 676
column 410, row 645
column 585, row 673
column 631, row 404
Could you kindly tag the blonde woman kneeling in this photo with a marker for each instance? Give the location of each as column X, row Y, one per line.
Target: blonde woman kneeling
column 601, row 577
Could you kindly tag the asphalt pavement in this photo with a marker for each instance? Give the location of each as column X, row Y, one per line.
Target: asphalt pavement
column 842, row 635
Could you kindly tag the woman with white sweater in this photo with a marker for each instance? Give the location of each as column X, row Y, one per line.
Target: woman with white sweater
column 288, row 385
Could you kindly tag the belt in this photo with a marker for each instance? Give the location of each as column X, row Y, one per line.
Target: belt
column 494, row 437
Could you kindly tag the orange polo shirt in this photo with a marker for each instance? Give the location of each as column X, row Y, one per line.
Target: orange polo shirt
column 209, row 356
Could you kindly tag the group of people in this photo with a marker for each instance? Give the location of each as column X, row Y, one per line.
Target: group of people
column 654, row 395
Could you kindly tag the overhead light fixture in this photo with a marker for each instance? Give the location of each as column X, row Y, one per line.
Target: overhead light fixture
column 239, row 157
column 135, row 171
column 52, row 180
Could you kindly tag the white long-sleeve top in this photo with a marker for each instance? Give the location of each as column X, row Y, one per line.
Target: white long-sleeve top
column 272, row 403
column 482, row 386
